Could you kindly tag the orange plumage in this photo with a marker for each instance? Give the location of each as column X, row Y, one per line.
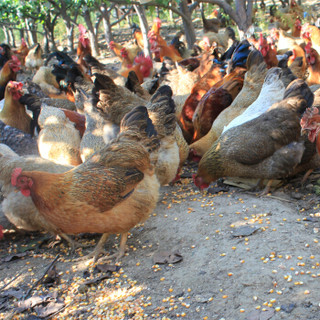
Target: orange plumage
column 22, row 52
column 269, row 55
column 310, row 123
column 197, row 92
column 14, row 113
column 313, row 61
column 109, row 193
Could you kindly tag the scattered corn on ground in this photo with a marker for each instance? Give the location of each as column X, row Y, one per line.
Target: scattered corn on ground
column 274, row 270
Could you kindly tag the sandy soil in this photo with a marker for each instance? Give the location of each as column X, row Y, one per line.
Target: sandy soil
column 225, row 253
column 234, row 255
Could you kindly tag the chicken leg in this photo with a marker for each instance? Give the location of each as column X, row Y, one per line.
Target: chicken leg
column 97, row 250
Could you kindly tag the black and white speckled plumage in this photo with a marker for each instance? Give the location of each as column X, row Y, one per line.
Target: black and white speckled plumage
column 20, row 142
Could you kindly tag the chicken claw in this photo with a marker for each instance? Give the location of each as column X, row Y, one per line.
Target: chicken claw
column 97, row 250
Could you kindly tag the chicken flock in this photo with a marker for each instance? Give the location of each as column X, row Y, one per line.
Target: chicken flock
column 88, row 147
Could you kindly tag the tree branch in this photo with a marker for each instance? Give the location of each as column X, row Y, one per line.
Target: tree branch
column 226, row 7
column 15, row 28
column 154, row 4
column 193, row 6
column 122, row 17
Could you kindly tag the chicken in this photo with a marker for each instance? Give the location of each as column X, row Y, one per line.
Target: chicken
column 272, row 91
column 14, row 113
column 96, row 67
column 161, row 109
column 155, row 39
column 114, row 101
column 84, row 47
column 34, row 58
column 221, row 38
column 130, row 49
column 300, row 67
column 311, row 33
column 236, row 71
column 163, row 50
column 285, row 41
column 181, row 82
column 214, row 101
column 310, row 124
column 20, row 142
column 98, row 131
column 5, row 54
column 269, row 55
column 47, row 81
column 198, row 90
column 104, row 104
column 20, row 210
column 253, row 80
column 210, row 24
column 110, row 193
column 142, row 67
column 137, row 34
column 313, row 60
column 59, row 140
column 134, row 86
column 61, row 56
column 22, row 52
column 8, row 73
column 267, row 147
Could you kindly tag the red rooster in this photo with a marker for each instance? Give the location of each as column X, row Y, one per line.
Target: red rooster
column 310, row 123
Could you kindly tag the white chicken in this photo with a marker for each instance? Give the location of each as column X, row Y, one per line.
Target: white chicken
column 272, row 91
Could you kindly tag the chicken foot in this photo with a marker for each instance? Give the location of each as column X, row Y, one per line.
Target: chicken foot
column 306, row 176
column 267, row 188
column 73, row 244
column 121, row 251
column 97, row 250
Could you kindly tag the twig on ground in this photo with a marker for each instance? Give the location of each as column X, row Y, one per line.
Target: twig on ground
column 44, row 274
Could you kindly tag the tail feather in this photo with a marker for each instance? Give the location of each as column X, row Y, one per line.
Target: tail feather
column 240, row 55
column 299, row 88
column 162, row 111
column 33, row 103
column 137, row 123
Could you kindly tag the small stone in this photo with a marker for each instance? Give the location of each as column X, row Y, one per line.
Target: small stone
column 296, row 195
column 288, row 307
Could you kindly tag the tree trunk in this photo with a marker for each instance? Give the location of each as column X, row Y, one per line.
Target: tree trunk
column 69, row 23
column 6, row 34
column 51, row 35
column 34, row 33
column 144, row 29
column 46, row 40
column 12, row 39
column 70, row 30
column 105, row 14
column 21, row 31
column 187, row 24
column 242, row 16
column 92, row 36
column 28, row 35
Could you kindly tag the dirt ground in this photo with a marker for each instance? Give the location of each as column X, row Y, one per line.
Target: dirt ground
column 222, row 254
column 230, row 254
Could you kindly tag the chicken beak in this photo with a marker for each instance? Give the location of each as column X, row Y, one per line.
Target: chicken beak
column 303, row 132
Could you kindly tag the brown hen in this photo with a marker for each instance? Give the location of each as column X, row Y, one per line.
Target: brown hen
column 110, row 193
column 267, row 147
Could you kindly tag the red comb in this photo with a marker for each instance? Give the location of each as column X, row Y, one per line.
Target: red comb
column 15, row 174
column 308, row 47
column 309, row 113
column 82, row 29
column 16, row 60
